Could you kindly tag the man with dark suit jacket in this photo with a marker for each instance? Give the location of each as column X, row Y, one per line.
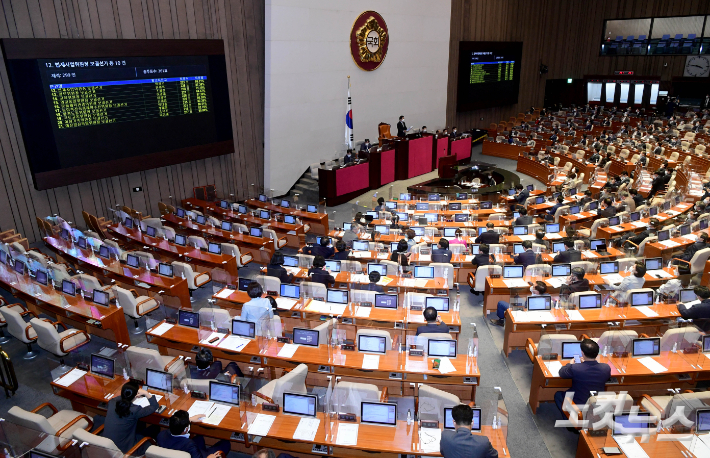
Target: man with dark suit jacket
column 455, row 133
column 433, row 323
column 177, row 437
column 489, row 236
column 366, row 145
column 483, row 258
column 701, row 243
column 461, row 443
column 569, row 255
column 551, row 212
column 349, row 157
column 323, row 249
column 343, row 252
column 588, row 375
column 275, row 268
column 638, row 198
column 576, row 282
column 698, row 311
column 656, row 184
column 607, row 209
column 401, row 128
column 527, row 257
column 524, row 219
column 521, row 195
column 443, row 254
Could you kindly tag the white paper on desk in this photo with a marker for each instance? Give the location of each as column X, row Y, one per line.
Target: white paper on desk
column 646, row 311
column 359, row 278
column 691, row 237
column 225, row 293
column 593, row 212
column 669, row 243
column 515, row 283
column 347, row 434
column 340, row 234
column 144, row 402
column 326, row 307
column 638, row 224
column 261, row 425
column 220, row 411
column 162, row 329
column 616, row 228
column 424, row 258
column 574, row 315
column 445, row 366
column 219, row 335
column 408, row 282
column 371, row 362
column 365, row 236
column 630, row 447
column 71, row 377
column 556, row 282
column 468, row 258
column 360, row 254
column 530, row 237
column 382, row 255
column 363, row 312
column 652, row 365
column 701, row 448
column 543, row 316
column 420, row 282
column 234, row 343
column 590, row 254
column 612, row 278
column 554, row 367
column 200, row 408
column 659, row 272
column 307, row 429
column 384, row 281
column 287, row 351
column 430, row 439
column 520, row 316
column 285, row 303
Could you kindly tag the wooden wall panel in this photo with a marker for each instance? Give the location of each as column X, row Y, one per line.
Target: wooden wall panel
column 240, row 23
column 562, row 34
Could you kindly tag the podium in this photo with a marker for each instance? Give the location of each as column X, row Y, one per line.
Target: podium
column 382, row 167
column 414, row 157
column 342, row 184
column 441, row 149
column 461, row 148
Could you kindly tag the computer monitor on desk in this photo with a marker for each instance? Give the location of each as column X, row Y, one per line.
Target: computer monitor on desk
column 687, row 295
column 68, row 288
column 333, row 266
column 512, row 271
column 543, row 302
column 441, row 304
column 102, row 366
column 41, row 277
column 571, row 349
column 423, row 272
column 244, row 328
column 518, row 248
column 642, row 298
column 189, row 319
column 552, row 228
column 291, row 261
column 378, row 413
column 558, row 247
column 520, row 230
column 590, row 301
column 371, row 344
column 359, row 245
column 300, row 404
column 386, row 301
column 224, row 393
column 158, row 380
column 441, row 348
column 654, row 263
column 336, row 296
column 609, row 267
column 561, row 270
column 256, row 231
column 475, row 423
column 632, row 424
column 303, row 336
column 166, row 270
column 646, row 347
column 100, row 297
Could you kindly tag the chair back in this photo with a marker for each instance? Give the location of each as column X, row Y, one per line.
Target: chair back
column 443, row 270
column 126, row 301
column 182, row 268
column 196, row 240
column 293, row 382
column 377, row 333
column 485, row 271
column 697, row 262
column 552, row 343
column 30, row 420
column 314, row 289
column 349, row 395
column 269, row 283
column 92, row 439
column 432, row 402
column 47, row 335
column 537, row 270
column 422, row 340
column 609, row 338
column 682, row 337
column 159, row 452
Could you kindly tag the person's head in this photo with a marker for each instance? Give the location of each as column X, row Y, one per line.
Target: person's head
column 443, row 244
column 423, row 128
column 625, row 173
column 527, row 244
column 633, row 192
column 523, row 212
column 277, row 259
column 204, row 358
column 539, row 234
column 430, row 314
column 319, row 262
column 180, row 423
column 264, row 453
column 490, row 226
column 577, row 272
column 462, row 416
column 458, row 233
column 571, row 232
column 374, row 276
column 128, row 394
column 411, row 234
column 569, row 244
column 402, row 246
column 654, row 223
column 539, row 287
column 703, row 292
column 401, row 118
column 367, row 140
column 608, row 201
column 340, row 246
column 704, row 237
column 358, row 217
column 484, row 248
column 324, row 241
column 639, row 270
column 349, row 152
column 381, row 201
column 590, row 349
column 254, row 290
column 453, row 129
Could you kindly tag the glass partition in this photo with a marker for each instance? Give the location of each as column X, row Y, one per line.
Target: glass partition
column 16, row 440
column 610, row 92
column 594, row 92
column 624, row 93
column 678, row 27
column 638, row 93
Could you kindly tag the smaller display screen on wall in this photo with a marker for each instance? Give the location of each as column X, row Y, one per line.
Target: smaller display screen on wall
column 489, row 74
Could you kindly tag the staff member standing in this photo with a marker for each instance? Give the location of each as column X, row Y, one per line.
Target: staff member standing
column 401, row 127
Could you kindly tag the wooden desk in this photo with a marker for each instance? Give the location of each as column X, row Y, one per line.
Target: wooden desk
column 340, row 185
column 414, row 157
column 317, row 221
column 106, row 322
column 615, row 231
column 591, row 446
column 87, row 395
column 114, row 270
column 182, row 253
column 628, row 374
column 504, row 150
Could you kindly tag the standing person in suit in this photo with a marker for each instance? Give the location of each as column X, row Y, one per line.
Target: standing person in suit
column 569, row 255
column 177, row 437
column 433, row 322
column 461, row 443
column 524, row 219
column 489, row 236
column 401, row 128
column 275, row 268
column 537, row 289
column 443, row 254
column 527, row 257
column 576, row 281
column 589, row 375
column 366, row 145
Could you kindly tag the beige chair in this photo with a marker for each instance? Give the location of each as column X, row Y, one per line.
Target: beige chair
column 62, row 423
column 684, row 145
column 233, row 250
column 159, row 452
column 392, row 266
column 59, row 344
column 597, row 407
column 549, row 343
column 682, row 337
column 268, row 283
column 107, row 444
column 663, row 407
column 588, row 266
column 293, row 382
column 697, row 262
column 278, row 242
column 674, row 156
column 135, row 306
column 431, row 402
column 574, row 297
column 539, row 269
column 422, row 340
column 374, row 333
column 635, row 158
column 592, row 233
column 115, row 248
column 19, row 329
column 610, row 338
column 563, row 210
column 140, row 359
column 480, row 278
column 626, row 262
column 194, row 280
column 89, row 283
column 197, row 241
column 59, row 272
column 444, row 270
column 3, row 324
column 349, row 395
column 313, row 289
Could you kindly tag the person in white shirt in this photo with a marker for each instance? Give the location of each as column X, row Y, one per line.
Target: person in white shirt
column 633, row 281
column 258, row 308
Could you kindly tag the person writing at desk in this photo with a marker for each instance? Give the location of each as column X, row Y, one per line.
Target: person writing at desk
column 588, row 375
column 258, row 308
column 122, row 416
column 318, row 273
column 177, row 437
column 275, row 268
column 539, row 288
column 461, row 443
column 433, row 322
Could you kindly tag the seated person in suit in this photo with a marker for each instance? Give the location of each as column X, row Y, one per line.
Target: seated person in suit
column 551, row 212
column 343, row 252
column 349, row 157
column 482, row 258
column 380, row 205
column 489, row 236
column 576, row 281
column 177, row 437
column 363, row 156
column 540, row 287
column 656, row 184
column 461, row 443
column 521, row 195
column 258, row 307
column 122, row 424
column 607, row 209
column 458, row 239
column 208, row 369
column 524, row 219
column 527, row 257
column 318, row 273
column 373, row 286
column 366, row 145
column 698, row 311
column 321, row 250
column 351, row 234
column 636, row 239
column 275, row 268
column 589, row 375
column 693, row 248
column 401, row 255
column 443, row 254
column 540, row 239
column 433, row 322
column 587, row 198
column 455, row 133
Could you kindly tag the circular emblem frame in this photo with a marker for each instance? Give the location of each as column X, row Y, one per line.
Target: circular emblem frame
column 369, row 40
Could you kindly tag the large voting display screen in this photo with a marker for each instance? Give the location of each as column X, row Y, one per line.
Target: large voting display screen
column 489, row 74
column 90, row 109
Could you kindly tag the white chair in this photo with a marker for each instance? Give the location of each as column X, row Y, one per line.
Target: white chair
column 115, row 248
column 105, row 443
column 350, row 266
column 18, row 328
column 194, row 280
column 59, row 344
column 626, row 262
column 392, row 266
column 313, row 289
column 197, row 241
column 588, row 266
column 89, row 283
column 432, row 402
column 609, row 338
column 140, row 359
column 217, row 317
column 61, row 424
column 597, row 407
column 680, row 337
column 697, row 262
column 278, row 242
column 349, row 395
column 269, row 283
column 574, row 297
column 444, row 270
column 305, row 260
column 293, row 382
column 662, row 407
column 135, row 306
column 480, row 278
column 592, row 233
column 59, row 272
column 376, row 333
column 422, row 340
column 233, row 250
column 538, row 269
column 563, row 210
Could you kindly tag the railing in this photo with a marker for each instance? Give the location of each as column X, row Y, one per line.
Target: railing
column 8, row 379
